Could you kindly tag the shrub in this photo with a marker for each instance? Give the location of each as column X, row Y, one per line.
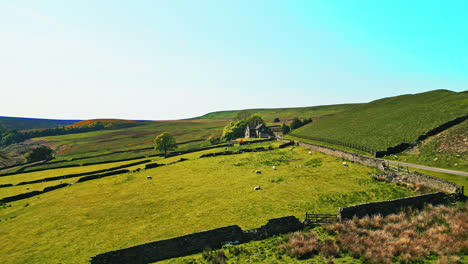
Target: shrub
column 215, row 256
column 38, row 154
column 214, row 139
column 276, row 120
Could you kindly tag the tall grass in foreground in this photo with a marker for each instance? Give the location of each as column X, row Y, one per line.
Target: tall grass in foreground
column 406, row 237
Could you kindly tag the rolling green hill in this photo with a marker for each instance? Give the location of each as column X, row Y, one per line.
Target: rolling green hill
column 283, row 114
column 21, row 123
column 389, row 121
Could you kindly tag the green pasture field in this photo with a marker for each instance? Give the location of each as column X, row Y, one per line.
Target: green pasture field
column 14, row 179
column 329, row 145
column 284, row 114
column 448, row 149
column 389, row 121
column 70, row 225
column 105, row 141
column 31, row 176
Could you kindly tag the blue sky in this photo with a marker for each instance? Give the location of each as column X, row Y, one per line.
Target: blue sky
column 179, row 59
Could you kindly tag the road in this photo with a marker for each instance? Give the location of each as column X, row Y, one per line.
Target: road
column 460, row 173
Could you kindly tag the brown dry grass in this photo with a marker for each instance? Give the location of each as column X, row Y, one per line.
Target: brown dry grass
column 406, row 237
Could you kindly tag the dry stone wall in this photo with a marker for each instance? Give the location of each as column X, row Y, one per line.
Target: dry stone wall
column 391, row 206
column 196, row 242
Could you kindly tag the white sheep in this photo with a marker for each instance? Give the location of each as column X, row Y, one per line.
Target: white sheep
column 310, row 152
column 274, row 167
column 345, row 164
column 257, row 188
column 258, row 172
column 27, row 188
column 290, row 148
column 149, row 177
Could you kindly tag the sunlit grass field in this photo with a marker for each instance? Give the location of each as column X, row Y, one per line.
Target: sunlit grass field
column 70, row 225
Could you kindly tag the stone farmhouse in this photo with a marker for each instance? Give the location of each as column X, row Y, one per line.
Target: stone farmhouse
column 259, row 131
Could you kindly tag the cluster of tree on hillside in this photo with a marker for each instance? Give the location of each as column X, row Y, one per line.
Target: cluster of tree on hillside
column 13, row 136
column 296, row 123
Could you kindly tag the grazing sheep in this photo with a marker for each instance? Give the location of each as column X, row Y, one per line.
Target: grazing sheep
column 263, row 166
column 225, row 148
column 274, row 167
column 258, row 172
column 310, row 152
column 345, row 164
column 290, row 148
column 60, row 181
column 27, row 188
column 257, row 188
column 149, row 177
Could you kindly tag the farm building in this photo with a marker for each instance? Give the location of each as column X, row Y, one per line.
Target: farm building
column 260, row 131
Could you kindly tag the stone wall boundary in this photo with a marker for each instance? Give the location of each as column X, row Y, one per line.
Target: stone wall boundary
column 197, row 242
column 392, row 206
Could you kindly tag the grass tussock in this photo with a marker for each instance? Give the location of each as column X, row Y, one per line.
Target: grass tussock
column 305, row 245
column 406, row 237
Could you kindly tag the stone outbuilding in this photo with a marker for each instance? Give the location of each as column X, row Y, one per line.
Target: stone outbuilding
column 259, row 131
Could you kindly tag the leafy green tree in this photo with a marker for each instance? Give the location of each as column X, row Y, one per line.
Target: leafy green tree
column 276, row 120
column 296, row 123
column 255, row 120
column 165, row 142
column 285, row 129
column 235, row 129
column 38, row 154
column 306, row 121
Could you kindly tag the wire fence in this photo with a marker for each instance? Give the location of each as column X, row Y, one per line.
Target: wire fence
column 339, row 143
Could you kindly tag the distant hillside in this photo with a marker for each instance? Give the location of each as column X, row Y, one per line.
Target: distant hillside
column 21, row 123
column 284, row 114
column 111, row 123
column 389, row 121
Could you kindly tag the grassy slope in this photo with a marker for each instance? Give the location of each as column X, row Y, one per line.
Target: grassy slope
column 449, row 148
column 95, row 143
column 284, row 113
column 21, row 123
column 71, row 224
column 390, row 121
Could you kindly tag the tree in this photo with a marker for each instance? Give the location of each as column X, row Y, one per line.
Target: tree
column 165, row 142
column 296, row 123
column 285, row 129
column 235, row 129
column 276, row 120
column 40, row 153
column 255, row 120
column 214, row 139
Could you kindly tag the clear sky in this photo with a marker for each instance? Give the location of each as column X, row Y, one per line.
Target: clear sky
column 174, row 59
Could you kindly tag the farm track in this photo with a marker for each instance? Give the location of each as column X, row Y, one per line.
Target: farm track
column 459, row 173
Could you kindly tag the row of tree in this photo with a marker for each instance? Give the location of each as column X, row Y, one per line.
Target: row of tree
column 296, row 123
